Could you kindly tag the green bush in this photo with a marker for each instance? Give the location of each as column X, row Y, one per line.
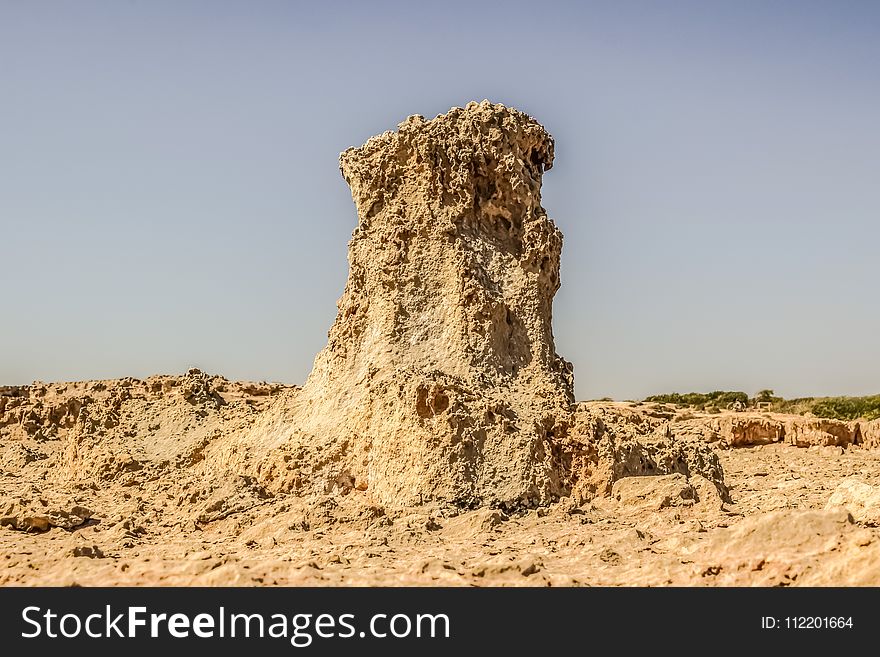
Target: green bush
column 765, row 396
column 702, row 400
column 837, row 408
column 848, row 408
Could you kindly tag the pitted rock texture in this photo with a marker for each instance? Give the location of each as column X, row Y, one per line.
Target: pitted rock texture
column 609, row 442
column 126, row 431
column 804, row 432
column 744, row 429
column 440, row 379
column 741, row 431
column 41, row 514
column 870, row 433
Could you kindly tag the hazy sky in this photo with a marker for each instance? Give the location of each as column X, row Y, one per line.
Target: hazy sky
column 170, row 194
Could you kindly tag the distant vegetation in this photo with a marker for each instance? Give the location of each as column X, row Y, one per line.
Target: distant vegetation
column 704, row 401
column 838, row 408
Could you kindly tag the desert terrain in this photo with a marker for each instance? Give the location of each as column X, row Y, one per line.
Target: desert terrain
column 131, row 501
column 437, row 440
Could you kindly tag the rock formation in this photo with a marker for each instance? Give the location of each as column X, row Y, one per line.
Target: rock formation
column 439, row 389
column 440, row 380
column 870, row 433
column 439, row 385
column 804, row 432
column 744, row 429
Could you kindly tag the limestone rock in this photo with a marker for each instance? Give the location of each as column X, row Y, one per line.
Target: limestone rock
column 654, row 493
column 440, row 379
column 705, row 429
column 738, row 431
column 708, row 493
column 730, row 430
column 230, row 498
column 439, row 386
column 125, row 431
column 860, row 499
column 605, row 445
column 14, row 456
column 474, row 523
column 197, row 389
column 40, row 514
column 870, row 432
column 88, row 551
column 829, row 451
column 747, row 429
column 804, row 432
column 521, row 567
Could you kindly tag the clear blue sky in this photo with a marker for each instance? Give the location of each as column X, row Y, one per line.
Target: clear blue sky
column 169, row 190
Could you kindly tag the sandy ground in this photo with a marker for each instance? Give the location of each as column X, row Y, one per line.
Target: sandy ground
column 774, row 532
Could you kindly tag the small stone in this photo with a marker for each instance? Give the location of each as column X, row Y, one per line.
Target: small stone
column 88, row 551
column 655, row 493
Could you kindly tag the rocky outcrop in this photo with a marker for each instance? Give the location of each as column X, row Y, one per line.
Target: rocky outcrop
column 805, row 432
column 739, row 431
column 731, row 430
column 746, row 429
column 440, row 379
column 125, row 429
column 657, row 492
column 609, row 443
column 439, row 384
column 870, row 433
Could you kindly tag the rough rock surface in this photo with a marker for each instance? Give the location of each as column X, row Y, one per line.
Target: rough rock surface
column 780, row 548
column 607, row 442
column 440, row 379
column 738, row 431
column 742, row 429
column 654, row 493
column 440, row 382
column 860, row 499
column 39, row 515
column 805, row 432
column 870, row 433
column 731, row 430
